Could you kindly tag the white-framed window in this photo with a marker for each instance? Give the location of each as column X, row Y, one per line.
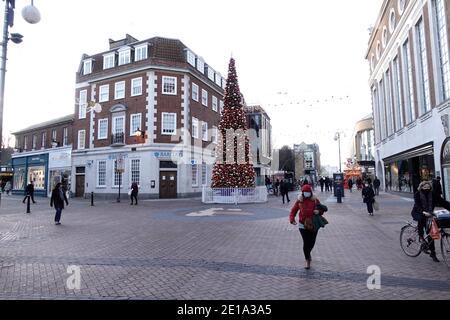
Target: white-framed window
column 124, row 56
column 401, row 6
column 169, row 123
column 194, row 92
column 392, row 22
column 34, row 141
column 215, row 134
column 221, row 106
column 169, row 85
column 408, row 83
column 218, row 79
column 102, row 129
column 387, row 90
column 194, row 174
column 442, row 48
column 201, row 65
column 136, row 87
column 25, row 142
column 195, row 128
column 109, row 60
column 204, row 174
column 135, row 123
column 103, row 93
column 81, row 139
column 384, row 37
column 423, row 81
column 224, row 83
column 65, row 136
column 82, row 105
column 141, row 52
column 204, row 97
column 118, row 126
column 214, row 103
column 397, row 89
column 119, row 90
column 135, row 170
column 210, row 74
column 382, row 109
column 190, row 57
column 54, row 135
column 101, row 173
column 87, row 66
column 43, row 139
column 204, row 131
column 117, row 176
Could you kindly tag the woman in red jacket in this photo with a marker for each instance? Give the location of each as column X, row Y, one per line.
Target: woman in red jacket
column 306, row 204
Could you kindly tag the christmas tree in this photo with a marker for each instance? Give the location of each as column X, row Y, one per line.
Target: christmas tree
column 233, row 167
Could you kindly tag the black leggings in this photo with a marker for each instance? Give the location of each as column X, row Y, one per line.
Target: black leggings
column 421, row 226
column 133, row 196
column 309, row 240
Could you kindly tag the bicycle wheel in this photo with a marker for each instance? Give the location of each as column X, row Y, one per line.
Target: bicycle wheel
column 409, row 241
column 445, row 248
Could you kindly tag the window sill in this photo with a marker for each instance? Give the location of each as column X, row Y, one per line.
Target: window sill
column 400, row 132
column 100, row 187
column 391, row 137
column 169, row 94
column 425, row 116
column 412, row 125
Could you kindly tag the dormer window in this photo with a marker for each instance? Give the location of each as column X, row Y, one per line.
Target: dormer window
column 141, row 52
column 200, row 65
column 190, row 57
column 87, row 66
column 218, row 79
column 124, row 56
column 210, row 74
column 224, row 83
column 109, row 60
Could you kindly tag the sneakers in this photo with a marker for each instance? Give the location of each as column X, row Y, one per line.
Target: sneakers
column 57, row 223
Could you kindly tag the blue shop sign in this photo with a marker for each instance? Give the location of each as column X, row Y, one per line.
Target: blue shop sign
column 168, row 154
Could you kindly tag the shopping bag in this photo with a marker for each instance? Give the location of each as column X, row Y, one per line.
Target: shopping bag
column 435, row 234
column 376, row 206
column 129, row 192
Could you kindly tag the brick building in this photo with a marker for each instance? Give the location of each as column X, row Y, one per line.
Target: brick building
column 408, row 54
column 161, row 106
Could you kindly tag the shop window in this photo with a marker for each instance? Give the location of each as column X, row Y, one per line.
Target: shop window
column 37, row 174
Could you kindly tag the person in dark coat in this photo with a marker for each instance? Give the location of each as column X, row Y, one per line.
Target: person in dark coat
column 327, row 184
column 134, row 193
column 350, row 184
column 29, row 192
column 277, row 187
column 57, row 200
column 423, row 206
column 376, row 185
column 322, row 183
column 438, row 200
column 284, row 190
column 368, row 197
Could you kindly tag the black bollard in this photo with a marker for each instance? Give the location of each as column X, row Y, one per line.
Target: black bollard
column 28, row 204
column 92, row 199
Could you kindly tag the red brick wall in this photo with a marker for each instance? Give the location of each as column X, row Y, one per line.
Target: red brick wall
column 38, row 132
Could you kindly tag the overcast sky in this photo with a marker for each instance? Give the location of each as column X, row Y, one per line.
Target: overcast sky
column 302, row 60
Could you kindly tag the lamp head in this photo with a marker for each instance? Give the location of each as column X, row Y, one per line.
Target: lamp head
column 31, row 14
column 97, row 108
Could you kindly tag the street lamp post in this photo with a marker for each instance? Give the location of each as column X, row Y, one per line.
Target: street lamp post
column 337, row 137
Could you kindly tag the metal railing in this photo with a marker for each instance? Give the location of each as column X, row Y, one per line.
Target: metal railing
column 234, row 195
column 118, row 138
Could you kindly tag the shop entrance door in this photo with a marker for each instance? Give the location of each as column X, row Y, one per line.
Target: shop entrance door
column 79, row 186
column 167, row 184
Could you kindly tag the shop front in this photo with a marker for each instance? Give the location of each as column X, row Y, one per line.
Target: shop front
column 30, row 168
column 405, row 171
column 60, row 168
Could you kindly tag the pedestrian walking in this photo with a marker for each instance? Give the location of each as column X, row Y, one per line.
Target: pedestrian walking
column 277, row 187
column 368, row 197
column 8, row 187
column 284, row 190
column 376, row 185
column 322, row 183
column 57, row 200
column 306, row 206
column 134, row 193
column 350, row 184
column 327, row 184
column 331, row 185
column 29, row 192
column 423, row 206
column 268, row 184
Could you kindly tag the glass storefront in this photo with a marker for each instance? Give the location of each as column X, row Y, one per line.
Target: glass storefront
column 19, row 178
column 37, row 174
column 60, row 176
column 405, row 175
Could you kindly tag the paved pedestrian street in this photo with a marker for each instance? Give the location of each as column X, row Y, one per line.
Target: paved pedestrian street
column 182, row 249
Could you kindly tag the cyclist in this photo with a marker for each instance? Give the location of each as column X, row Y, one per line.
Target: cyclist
column 423, row 205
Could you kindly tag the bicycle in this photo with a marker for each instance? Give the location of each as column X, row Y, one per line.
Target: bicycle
column 412, row 245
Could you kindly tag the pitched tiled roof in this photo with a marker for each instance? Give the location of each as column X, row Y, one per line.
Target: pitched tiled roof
column 45, row 124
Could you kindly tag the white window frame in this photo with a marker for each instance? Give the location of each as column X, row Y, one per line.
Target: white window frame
column 215, row 133
column 141, row 52
column 113, row 126
column 109, row 60
column 165, row 80
column 65, row 136
column 408, row 87
column 124, row 56
column 87, row 66
column 204, row 97
column 218, row 79
column 204, row 174
column 195, row 92
column 201, row 65
column 104, row 173
column 221, row 105
column 190, row 58
column 204, row 131
column 195, row 128
column 194, row 182
column 103, row 90
column 164, row 125
column 116, row 97
column 101, row 136
column 132, row 128
column 214, row 103
column 25, row 142
column 81, row 142
column 422, row 67
column 82, row 104
column 442, row 49
column 211, row 73
column 396, row 86
column 43, row 139
column 133, row 86
column 120, row 175
column 133, row 169
column 34, row 141
column 54, row 134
